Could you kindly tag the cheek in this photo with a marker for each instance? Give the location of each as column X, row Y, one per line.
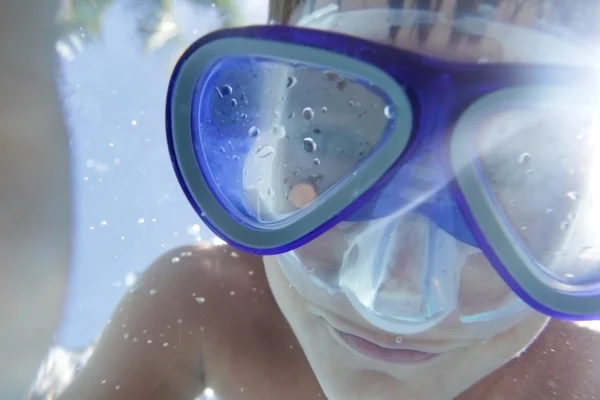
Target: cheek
column 290, row 303
column 325, row 252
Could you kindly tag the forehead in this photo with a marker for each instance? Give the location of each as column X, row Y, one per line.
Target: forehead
column 580, row 18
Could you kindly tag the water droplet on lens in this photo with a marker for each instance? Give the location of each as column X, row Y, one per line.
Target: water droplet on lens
column 226, row 90
column 265, row 151
column 316, row 161
column 308, row 113
column 388, row 111
column 278, row 131
column 175, row 260
column 352, row 103
column 309, row 145
column 573, row 195
column 200, row 300
column 589, row 253
column 253, row 131
column 524, row 158
column 291, row 81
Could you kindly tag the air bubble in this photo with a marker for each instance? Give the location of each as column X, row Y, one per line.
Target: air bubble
column 308, row 113
column 278, row 131
column 200, row 300
column 573, row 196
column 589, row 253
column 309, row 145
column 265, row 151
column 316, row 161
column 291, row 81
column 175, row 260
column 525, row 158
column 226, row 90
column 324, row 109
column 388, row 111
column 234, row 102
column 253, row 132
column 399, row 339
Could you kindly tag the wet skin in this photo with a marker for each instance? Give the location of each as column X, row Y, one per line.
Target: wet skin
column 225, row 331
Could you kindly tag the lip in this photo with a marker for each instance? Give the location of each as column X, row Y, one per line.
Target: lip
column 367, row 345
column 379, row 353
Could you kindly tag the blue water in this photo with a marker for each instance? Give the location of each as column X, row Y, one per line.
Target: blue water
column 129, row 208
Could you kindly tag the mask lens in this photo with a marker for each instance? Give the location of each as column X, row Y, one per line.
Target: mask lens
column 284, row 135
column 539, row 160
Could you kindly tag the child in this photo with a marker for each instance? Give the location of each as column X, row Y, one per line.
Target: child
column 390, row 285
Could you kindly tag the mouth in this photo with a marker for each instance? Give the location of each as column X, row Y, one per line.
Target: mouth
column 400, row 353
column 380, row 353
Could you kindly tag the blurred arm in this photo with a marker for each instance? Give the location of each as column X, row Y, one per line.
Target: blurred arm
column 34, row 192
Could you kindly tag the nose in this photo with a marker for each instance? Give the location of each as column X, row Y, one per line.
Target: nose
column 400, row 273
column 395, row 251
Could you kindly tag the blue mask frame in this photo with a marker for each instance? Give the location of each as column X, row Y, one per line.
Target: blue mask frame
column 438, row 92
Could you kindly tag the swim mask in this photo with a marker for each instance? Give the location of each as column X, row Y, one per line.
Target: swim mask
column 285, row 136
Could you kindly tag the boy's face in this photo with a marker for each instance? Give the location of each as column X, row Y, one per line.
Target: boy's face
column 508, row 36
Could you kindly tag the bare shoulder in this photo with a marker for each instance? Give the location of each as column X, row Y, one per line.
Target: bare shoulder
column 201, row 316
column 561, row 364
